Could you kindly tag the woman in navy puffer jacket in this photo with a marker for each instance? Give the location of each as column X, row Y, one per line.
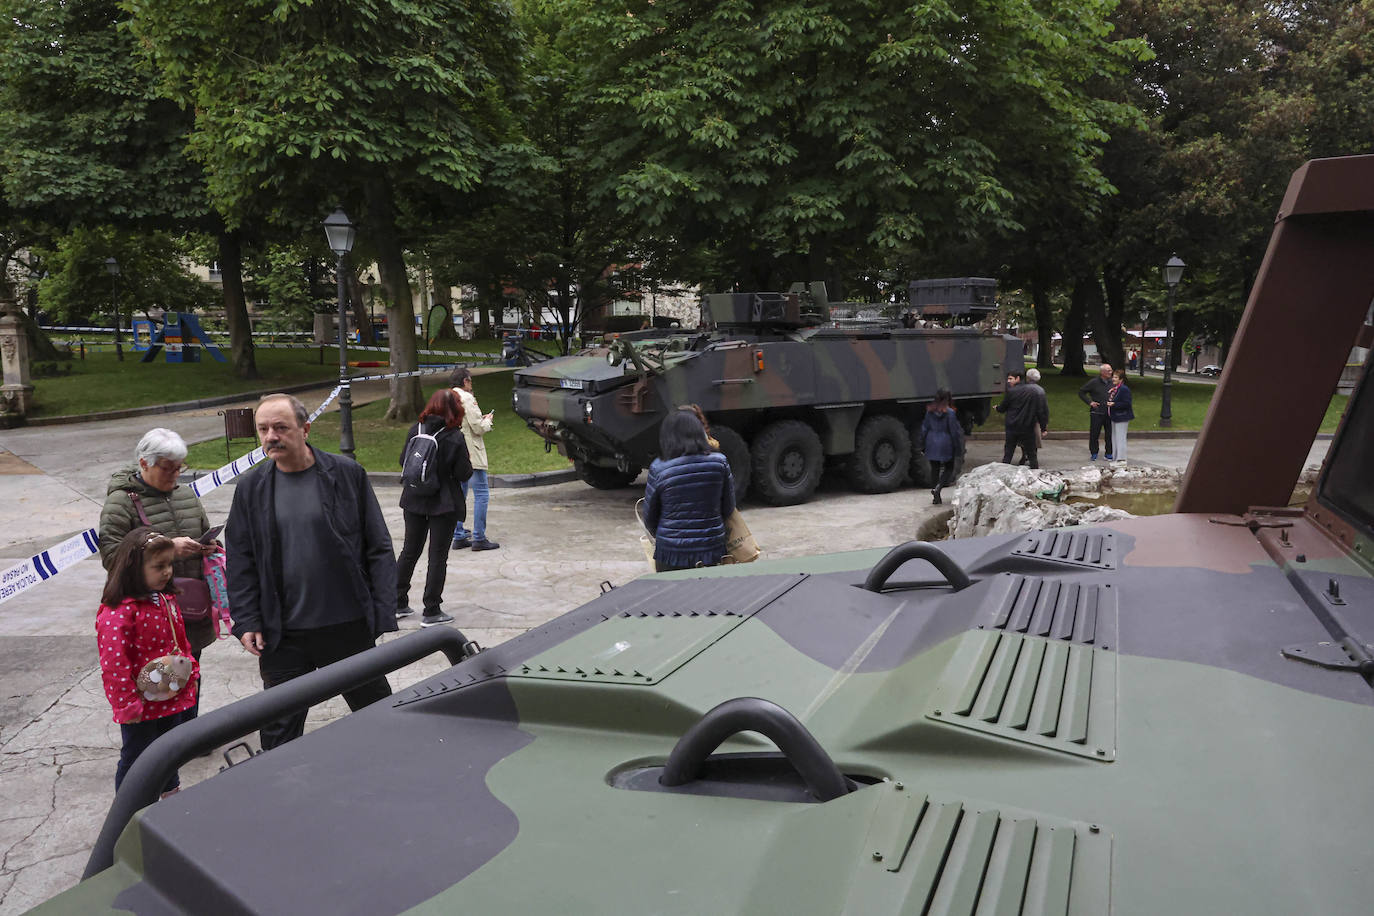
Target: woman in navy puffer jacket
column 689, row 496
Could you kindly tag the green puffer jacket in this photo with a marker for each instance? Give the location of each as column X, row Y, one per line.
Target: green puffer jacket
column 175, row 514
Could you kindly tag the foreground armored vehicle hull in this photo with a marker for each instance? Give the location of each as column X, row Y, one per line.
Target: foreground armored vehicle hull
column 1163, row 715
column 783, row 399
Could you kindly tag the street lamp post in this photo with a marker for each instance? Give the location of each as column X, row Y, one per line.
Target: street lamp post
column 112, row 266
column 1173, row 272
column 340, row 232
column 1140, row 358
column 371, row 302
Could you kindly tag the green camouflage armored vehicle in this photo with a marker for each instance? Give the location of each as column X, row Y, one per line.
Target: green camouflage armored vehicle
column 785, row 391
column 1161, row 715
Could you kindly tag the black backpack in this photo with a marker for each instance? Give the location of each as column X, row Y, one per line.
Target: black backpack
column 420, row 472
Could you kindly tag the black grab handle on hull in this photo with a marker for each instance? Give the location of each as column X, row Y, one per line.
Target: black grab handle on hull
column 916, row 550
column 751, row 714
column 145, row 779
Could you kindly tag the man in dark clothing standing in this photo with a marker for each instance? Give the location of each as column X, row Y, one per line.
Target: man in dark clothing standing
column 312, row 577
column 1025, row 410
column 1094, row 394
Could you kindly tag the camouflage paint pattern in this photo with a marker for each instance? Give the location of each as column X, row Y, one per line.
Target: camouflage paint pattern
column 745, row 381
column 1082, row 730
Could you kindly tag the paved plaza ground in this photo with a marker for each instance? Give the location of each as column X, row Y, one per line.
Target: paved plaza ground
column 58, row 746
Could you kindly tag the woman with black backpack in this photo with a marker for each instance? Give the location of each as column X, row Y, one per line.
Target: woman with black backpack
column 434, row 464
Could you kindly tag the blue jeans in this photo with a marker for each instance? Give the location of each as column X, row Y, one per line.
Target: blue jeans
column 477, row 483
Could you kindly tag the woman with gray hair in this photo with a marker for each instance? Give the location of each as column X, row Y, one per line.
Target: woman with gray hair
column 147, row 493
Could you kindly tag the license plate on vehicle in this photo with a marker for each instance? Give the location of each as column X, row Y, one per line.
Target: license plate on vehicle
column 570, row 383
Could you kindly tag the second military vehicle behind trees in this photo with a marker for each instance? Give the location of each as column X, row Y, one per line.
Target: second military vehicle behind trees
column 785, row 390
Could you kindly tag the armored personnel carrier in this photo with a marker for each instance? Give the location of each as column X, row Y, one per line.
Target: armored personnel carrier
column 1161, row 715
column 785, row 391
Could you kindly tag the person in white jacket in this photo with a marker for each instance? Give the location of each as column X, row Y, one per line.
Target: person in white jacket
column 475, row 425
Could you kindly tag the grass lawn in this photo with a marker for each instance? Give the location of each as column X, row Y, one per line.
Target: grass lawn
column 101, row 382
column 511, row 447
column 1189, row 403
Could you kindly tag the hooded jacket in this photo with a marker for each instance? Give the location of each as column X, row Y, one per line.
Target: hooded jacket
column 942, row 438
column 686, row 502
column 356, row 530
column 175, row 514
column 455, row 466
column 475, row 426
column 131, row 635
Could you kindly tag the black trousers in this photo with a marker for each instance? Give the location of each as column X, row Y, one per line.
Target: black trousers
column 1024, row 438
column 138, row 736
column 303, row 651
column 439, row 529
column 1098, row 423
column 941, row 474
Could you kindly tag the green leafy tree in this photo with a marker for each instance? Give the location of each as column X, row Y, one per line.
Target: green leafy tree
column 817, row 139
column 88, row 141
column 375, row 104
column 152, row 276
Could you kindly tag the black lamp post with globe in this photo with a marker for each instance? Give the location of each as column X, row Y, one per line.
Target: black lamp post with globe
column 112, row 266
column 340, row 232
column 1173, row 272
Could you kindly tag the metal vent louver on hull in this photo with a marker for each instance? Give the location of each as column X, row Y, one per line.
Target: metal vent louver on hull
column 1056, row 609
column 926, row 856
column 1093, row 549
column 1045, row 692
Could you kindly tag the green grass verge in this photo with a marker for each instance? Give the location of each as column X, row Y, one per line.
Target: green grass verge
column 102, row 382
column 511, row 447
column 1189, row 403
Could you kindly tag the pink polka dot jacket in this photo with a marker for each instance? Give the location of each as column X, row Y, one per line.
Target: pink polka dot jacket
column 131, row 635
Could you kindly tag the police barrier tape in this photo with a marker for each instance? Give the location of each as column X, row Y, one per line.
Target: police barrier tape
column 44, row 565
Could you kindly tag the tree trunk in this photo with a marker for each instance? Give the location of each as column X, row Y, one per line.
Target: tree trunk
column 443, row 295
column 1183, row 328
column 406, row 397
column 1044, row 324
column 1073, row 328
column 357, row 297
column 235, row 305
column 1106, row 335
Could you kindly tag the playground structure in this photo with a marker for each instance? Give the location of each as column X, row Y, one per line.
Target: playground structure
column 180, row 335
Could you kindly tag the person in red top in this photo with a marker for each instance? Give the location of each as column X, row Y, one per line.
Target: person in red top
column 138, row 622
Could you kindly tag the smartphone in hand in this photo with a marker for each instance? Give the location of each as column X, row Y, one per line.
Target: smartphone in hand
column 210, row 535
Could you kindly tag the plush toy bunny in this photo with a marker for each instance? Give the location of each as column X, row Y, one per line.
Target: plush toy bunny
column 163, row 677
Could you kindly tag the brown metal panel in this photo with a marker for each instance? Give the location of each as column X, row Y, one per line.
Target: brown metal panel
column 1309, row 301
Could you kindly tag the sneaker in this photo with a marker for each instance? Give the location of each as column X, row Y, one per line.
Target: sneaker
column 484, row 544
column 405, row 611
column 935, row 497
column 1093, row 456
column 461, row 543
column 433, row 620
column 1110, row 458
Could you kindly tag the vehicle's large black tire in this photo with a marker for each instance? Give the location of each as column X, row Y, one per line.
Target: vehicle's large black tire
column 786, row 460
column 882, row 455
column 606, row 478
column 736, row 451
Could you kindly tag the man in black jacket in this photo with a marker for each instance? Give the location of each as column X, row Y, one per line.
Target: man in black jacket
column 1094, row 394
column 312, row 578
column 1025, row 409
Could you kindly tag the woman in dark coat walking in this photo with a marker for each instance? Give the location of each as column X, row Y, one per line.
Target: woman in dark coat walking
column 689, row 496
column 433, row 515
column 942, row 441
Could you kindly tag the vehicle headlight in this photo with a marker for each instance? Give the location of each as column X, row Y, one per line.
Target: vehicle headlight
column 587, row 411
column 514, row 399
column 613, row 357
